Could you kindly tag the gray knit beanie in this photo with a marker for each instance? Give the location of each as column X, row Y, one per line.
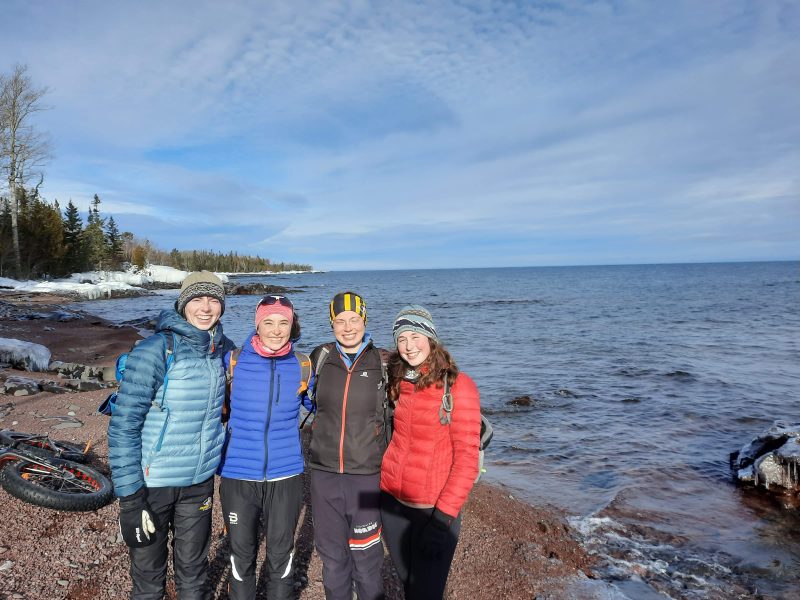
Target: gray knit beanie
column 414, row 318
column 197, row 284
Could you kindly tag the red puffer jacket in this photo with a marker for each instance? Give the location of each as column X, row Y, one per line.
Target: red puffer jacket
column 429, row 464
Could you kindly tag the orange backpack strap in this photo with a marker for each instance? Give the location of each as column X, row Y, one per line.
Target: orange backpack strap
column 226, row 406
column 305, row 371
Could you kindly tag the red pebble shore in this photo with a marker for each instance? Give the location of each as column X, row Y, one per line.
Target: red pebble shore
column 508, row 549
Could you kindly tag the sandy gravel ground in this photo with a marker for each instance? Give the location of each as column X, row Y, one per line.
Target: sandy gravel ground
column 508, row 549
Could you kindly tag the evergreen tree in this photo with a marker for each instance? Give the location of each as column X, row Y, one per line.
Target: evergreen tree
column 175, row 259
column 73, row 231
column 7, row 265
column 113, row 245
column 94, row 239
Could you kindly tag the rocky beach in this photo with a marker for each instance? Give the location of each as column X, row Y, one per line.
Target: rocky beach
column 508, row 549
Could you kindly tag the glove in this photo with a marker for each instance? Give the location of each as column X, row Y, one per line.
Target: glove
column 136, row 521
column 436, row 536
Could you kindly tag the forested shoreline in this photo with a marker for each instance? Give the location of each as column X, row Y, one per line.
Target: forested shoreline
column 39, row 241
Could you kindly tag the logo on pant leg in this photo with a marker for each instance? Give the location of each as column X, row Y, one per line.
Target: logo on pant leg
column 365, row 528
column 207, row 503
column 365, row 536
column 233, row 518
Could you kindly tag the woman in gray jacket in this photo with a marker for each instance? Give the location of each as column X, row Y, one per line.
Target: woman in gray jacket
column 165, row 441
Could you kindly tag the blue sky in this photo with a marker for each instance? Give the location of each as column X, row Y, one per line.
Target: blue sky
column 360, row 135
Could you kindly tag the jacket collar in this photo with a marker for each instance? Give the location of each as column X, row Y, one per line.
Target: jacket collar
column 170, row 321
column 367, row 341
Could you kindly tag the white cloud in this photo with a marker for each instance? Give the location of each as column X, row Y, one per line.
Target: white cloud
column 348, row 120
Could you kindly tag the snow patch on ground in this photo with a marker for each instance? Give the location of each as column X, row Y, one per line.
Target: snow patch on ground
column 33, row 357
column 98, row 284
column 91, row 291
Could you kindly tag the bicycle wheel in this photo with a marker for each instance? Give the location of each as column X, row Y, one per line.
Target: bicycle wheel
column 43, row 447
column 63, row 485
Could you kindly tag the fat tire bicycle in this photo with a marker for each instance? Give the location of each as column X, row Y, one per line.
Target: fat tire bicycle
column 50, row 473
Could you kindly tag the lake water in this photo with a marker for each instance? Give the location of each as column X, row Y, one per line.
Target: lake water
column 643, row 380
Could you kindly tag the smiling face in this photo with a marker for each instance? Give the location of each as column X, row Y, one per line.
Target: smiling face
column 203, row 312
column 348, row 328
column 414, row 348
column 273, row 331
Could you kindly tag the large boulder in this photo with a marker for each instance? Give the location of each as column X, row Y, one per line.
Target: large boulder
column 772, row 459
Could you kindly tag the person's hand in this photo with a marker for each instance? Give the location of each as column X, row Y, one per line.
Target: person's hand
column 136, row 520
column 436, row 535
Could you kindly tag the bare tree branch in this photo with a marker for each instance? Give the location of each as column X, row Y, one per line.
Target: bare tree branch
column 23, row 150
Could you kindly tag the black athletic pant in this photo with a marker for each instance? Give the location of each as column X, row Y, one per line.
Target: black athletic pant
column 186, row 513
column 347, row 533
column 244, row 504
column 423, row 578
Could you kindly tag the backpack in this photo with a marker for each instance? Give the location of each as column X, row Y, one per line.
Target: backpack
column 110, row 403
column 487, row 432
column 305, row 379
column 386, row 410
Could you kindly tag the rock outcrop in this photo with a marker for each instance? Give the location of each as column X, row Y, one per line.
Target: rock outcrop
column 771, row 460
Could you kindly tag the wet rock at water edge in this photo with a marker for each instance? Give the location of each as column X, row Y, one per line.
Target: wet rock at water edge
column 771, row 460
column 255, row 289
column 521, row 401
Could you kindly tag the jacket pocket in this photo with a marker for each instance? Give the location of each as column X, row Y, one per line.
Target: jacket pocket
column 156, row 448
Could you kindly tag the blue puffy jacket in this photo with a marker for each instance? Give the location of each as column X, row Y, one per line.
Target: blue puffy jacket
column 178, row 442
column 263, row 439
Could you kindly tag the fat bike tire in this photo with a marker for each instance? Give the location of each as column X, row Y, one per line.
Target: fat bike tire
column 46, row 448
column 64, row 485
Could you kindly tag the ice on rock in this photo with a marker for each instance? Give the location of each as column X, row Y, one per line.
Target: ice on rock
column 771, row 459
column 24, row 355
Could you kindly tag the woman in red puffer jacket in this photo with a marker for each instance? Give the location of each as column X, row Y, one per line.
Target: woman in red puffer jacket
column 431, row 463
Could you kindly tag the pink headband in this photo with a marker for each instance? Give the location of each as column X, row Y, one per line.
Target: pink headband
column 273, row 309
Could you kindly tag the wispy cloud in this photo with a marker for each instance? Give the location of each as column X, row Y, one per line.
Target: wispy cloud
column 428, row 133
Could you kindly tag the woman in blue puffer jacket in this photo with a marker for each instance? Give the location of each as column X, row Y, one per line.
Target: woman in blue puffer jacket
column 263, row 462
column 165, row 441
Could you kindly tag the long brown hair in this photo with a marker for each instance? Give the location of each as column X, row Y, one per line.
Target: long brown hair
column 432, row 372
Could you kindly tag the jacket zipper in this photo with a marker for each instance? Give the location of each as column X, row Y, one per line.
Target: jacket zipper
column 269, row 417
column 212, row 394
column 344, row 411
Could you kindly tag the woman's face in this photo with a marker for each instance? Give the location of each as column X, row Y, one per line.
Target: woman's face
column 348, row 328
column 203, row 312
column 273, row 331
column 414, row 348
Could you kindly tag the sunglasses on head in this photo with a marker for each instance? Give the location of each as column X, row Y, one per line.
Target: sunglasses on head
column 270, row 300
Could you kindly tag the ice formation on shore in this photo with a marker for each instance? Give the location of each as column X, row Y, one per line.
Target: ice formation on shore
column 771, row 459
column 28, row 355
column 97, row 284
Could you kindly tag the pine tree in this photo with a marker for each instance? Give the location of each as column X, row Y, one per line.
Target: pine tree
column 94, row 239
column 73, row 231
column 7, row 265
column 175, row 259
column 113, row 245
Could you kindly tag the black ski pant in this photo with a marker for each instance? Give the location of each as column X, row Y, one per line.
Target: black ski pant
column 347, row 533
column 244, row 505
column 186, row 513
column 423, row 578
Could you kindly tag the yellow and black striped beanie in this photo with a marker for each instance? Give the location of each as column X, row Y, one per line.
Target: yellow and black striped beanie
column 348, row 301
